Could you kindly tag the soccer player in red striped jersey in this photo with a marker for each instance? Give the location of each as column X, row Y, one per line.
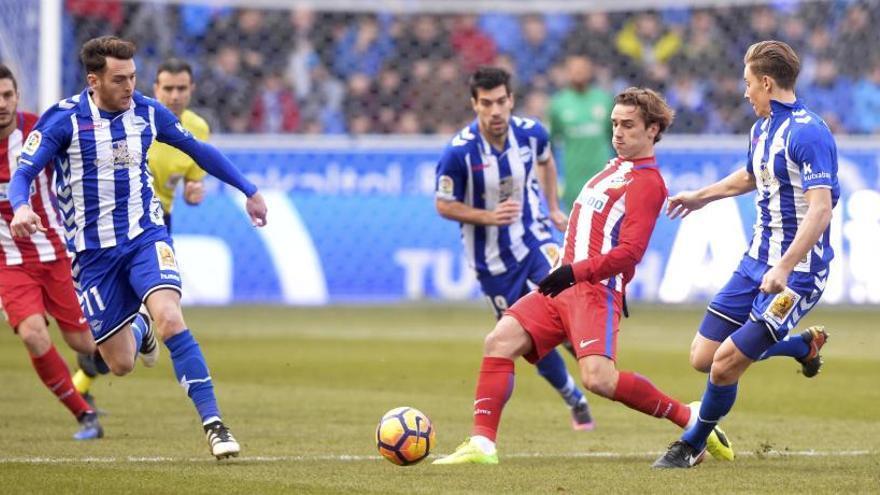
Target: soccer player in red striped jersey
column 35, row 277
column 582, row 299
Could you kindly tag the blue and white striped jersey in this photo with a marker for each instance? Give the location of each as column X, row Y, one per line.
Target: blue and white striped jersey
column 103, row 183
column 473, row 172
column 790, row 152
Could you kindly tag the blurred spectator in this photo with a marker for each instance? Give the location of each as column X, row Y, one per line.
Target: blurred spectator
column 536, row 104
column 580, row 126
column 866, row 99
column 274, row 108
column 854, row 35
column 536, row 53
column 733, row 112
column 819, row 45
column 388, row 101
column 594, row 38
column 829, row 95
column 224, row 96
column 437, row 99
column 702, row 53
column 645, row 44
column 423, row 38
column 93, row 18
column 358, row 104
column 473, row 47
column 323, row 102
column 687, row 97
column 363, row 49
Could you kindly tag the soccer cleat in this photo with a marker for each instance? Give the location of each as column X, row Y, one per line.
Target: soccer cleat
column 815, row 336
column 149, row 349
column 89, row 427
column 719, row 445
column 468, row 453
column 581, row 419
column 680, row 455
column 223, row 444
column 90, row 400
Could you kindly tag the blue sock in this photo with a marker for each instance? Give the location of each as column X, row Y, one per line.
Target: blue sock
column 138, row 328
column 192, row 373
column 792, row 345
column 553, row 369
column 717, row 401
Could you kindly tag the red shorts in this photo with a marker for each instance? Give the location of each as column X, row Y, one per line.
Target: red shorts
column 587, row 315
column 40, row 288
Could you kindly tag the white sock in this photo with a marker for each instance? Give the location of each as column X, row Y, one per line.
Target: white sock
column 695, row 414
column 484, row 444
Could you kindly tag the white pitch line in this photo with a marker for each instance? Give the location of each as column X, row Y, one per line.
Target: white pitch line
column 351, row 458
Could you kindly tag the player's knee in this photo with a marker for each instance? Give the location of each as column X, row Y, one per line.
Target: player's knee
column 700, row 362
column 81, row 342
column 725, row 367
column 506, row 340
column 598, row 378
column 169, row 321
column 35, row 337
column 120, row 368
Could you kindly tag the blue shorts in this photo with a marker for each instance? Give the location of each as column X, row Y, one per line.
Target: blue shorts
column 505, row 289
column 739, row 300
column 113, row 282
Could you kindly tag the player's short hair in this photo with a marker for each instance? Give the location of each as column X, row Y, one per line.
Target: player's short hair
column 651, row 105
column 489, row 78
column 94, row 52
column 6, row 73
column 174, row 66
column 774, row 59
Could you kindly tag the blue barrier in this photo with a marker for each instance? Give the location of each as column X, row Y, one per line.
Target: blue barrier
column 357, row 224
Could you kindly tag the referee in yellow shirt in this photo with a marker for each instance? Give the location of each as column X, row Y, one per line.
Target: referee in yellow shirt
column 173, row 88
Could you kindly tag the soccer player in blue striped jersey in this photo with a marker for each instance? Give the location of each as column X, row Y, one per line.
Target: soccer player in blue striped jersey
column 490, row 179
column 792, row 163
column 122, row 254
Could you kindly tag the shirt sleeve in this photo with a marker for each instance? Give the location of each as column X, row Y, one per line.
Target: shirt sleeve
column 171, row 132
column 543, row 138
column 644, row 200
column 42, row 145
column 812, row 148
column 451, row 177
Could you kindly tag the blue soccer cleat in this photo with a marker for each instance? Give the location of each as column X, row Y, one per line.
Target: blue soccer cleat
column 89, row 427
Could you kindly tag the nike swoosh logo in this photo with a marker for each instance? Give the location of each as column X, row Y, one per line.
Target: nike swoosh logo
column 82, row 320
column 481, row 400
column 585, row 343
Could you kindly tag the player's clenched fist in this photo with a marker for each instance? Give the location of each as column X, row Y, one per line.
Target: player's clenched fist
column 25, row 222
column 505, row 213
column 256, row 209
column 683, row 203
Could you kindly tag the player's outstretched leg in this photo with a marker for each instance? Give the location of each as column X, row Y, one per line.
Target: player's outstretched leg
column 193, row 375
column 804, row 347
column 552, row 368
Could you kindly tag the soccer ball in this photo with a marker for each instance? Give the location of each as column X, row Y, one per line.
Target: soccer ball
column 404, row 436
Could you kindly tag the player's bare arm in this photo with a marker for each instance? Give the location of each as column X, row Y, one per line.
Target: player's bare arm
column 25, row 222
column 546, row 172
column 256, row 209
column 683, row 203
column 504, row 214
column 808, row 233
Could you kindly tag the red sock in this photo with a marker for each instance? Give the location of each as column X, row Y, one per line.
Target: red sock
column 638, row 393
column 493, row 389
column 54, row 373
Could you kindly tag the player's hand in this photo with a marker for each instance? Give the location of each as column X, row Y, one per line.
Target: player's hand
column 25, row 222
column 193, row 192
column 559, row 219
column 683, row 203
column 505, row 213
column 557, row 281
column 774, row 280
column 256, row 209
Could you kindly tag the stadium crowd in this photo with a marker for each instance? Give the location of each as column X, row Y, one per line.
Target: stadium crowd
column 303, row 71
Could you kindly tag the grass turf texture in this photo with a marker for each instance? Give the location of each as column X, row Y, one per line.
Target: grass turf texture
column 302, row 389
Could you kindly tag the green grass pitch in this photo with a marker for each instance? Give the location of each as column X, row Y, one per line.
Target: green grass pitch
column 302, row 389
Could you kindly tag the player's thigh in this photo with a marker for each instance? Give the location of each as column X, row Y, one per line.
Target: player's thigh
column 21, row 294
column 598, row 374
column 591, row 316
column 106, row 298
column 34, row 333
column 503, row 290
column 508, row 339
column 783, row 311
column 537, row 316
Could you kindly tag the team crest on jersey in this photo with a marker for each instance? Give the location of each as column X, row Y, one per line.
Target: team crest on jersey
column 551, row 252
column 445, row 185
column 33, row 143
column 781, row 306
column 166, row 256
column 122, row 157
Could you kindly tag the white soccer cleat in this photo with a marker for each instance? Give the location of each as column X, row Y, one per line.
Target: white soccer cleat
column 149, row 349
column 223, row 444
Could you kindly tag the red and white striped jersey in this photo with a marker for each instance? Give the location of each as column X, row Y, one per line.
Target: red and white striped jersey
column 612, row 220
column 40, row 246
